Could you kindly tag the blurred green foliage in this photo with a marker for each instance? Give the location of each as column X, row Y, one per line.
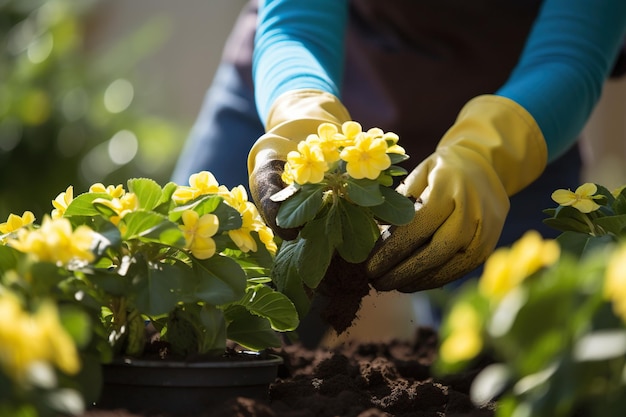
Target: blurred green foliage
column 72, row 116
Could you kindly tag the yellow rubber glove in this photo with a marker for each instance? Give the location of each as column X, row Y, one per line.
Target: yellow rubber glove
column 293, row 116
column 493, row 150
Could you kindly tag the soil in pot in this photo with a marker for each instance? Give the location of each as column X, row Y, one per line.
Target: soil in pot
column 356, row 380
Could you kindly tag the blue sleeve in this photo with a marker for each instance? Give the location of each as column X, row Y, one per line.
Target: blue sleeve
column 567, row 57
column 299, row 44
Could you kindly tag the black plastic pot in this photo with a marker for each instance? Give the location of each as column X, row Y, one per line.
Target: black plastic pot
column 184, row 388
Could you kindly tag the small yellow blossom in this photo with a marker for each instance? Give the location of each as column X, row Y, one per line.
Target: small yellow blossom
column 307, row 165
column 61, row 202
column 581, row 199
column 15, row 222
column 350, row 130
column 327, row 142
column 287, row 176
column 507, row 267
column 242, row 237
column 121, row 206
column 55, row 241
column 464, row 341
column 616, row 192
column 200, row 183
column 366, row 158
column 266, row 234
column 199, row 232
column 615, row 281
column 28, row 339
column 116, row 191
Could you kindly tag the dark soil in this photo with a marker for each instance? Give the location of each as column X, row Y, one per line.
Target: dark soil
column 360, row 380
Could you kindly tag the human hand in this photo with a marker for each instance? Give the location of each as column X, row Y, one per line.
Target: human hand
column 493, row 150
column 294, row 116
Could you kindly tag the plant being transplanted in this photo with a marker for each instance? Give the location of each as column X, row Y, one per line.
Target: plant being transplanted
column 339, row 193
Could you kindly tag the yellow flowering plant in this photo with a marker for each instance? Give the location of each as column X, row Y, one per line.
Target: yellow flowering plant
column 185, row 265
column 545, row 324
column 339, row 191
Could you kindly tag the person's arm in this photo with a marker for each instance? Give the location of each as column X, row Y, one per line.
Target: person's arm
column 297, row 70
column 298, row 45
column 500, row 144
column 568, row 56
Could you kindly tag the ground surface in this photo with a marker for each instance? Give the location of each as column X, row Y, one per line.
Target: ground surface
column 368, row 380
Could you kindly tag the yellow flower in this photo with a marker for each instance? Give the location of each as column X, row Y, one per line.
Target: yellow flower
column 287, row 176
column 61, row 202
column 199, row 232
column 121, row 206
column 581, row 199
column 266, row 234
column 464, row 341
column 366, row 158
column 350, row 130
column 15, row 222
column 200, row 183
column 615, row 281
column 327, row 142
column 507, row 267
column 242, row 237
column 55, row 241
column 114, row 191
column 29, row 339
column 307, row 164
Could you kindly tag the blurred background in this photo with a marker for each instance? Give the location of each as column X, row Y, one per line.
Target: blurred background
column 100, row 91
column 105, row 90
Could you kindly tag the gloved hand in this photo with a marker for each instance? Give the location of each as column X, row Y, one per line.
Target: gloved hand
column 293, row 116
column 493, row 150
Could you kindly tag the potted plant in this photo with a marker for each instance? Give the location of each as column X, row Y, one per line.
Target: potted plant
column 339, row 194
column 550, row 315
column 174, row 274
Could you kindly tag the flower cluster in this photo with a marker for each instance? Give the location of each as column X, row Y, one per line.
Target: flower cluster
column 545, row 310
column 191, row 260
column 338, row 193
column 365, row 154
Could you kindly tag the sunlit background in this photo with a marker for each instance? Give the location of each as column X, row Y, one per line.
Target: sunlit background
column 101, row 91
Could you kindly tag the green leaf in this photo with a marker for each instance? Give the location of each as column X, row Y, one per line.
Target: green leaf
column 396, row 158
column 151, row 226
column 284, row 274
column 396, row 208
column 300, row 208
column 157, row 291
column 614, row 224
column 148, row 192
column 82, row 205
column 567, row 218
column 77, row 324
column 315, row 253
column 580, row 244
column 219, row 280
column 8, row 258
column 274, row 306
column 229, row 218
column 250, row 331
column 359, row 232
column 396, row 171
column 212, row 336
column 364, row 192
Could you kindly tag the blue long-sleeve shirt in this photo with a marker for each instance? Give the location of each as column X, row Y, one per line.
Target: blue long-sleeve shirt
column 558, row 79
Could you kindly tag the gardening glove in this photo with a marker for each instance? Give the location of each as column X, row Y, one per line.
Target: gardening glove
column 293, row 116
column 493, row 150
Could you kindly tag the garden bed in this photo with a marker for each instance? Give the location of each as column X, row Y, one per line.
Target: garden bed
column 392, row 379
